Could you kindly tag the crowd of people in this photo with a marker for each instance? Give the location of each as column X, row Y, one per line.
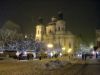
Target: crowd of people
column 38, row 49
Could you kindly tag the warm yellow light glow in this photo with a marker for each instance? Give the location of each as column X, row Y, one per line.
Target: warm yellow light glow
column 37, row 36
column 63, row 48
column 25, row 36
column 50, row 45
column 69, row 50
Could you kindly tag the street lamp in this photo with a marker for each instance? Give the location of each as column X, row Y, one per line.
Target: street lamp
column 25, row 36
column 50, row 45
column 63, row 50
column 69, row 50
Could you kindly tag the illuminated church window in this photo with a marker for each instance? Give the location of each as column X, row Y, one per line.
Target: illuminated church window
column 50, row 31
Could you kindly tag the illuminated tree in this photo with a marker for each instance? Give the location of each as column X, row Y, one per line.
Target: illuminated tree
column 40, row 47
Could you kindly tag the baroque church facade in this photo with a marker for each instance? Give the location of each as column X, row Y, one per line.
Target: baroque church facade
column 55, row 33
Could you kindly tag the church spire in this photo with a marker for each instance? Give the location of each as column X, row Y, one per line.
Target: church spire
column 60, row 15
column 40, row 20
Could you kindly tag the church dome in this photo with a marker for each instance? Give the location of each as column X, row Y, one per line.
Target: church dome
column 53, row 19
column 60, row 22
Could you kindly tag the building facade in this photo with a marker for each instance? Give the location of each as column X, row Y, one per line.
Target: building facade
column 55, row 33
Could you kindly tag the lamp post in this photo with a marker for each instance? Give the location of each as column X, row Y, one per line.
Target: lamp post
column 50, row 46
column 69, row 53
column 63, row 50
column 25, row 36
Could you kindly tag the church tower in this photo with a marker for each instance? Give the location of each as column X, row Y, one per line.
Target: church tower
column 60, row 24
column 50, row 28
column 40, row 29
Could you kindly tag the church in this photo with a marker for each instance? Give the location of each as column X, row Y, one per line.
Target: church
column 54, row 33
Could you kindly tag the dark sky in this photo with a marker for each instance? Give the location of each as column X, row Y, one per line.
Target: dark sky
column 81, row 16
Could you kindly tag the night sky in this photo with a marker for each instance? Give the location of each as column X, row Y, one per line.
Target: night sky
column 82, row 16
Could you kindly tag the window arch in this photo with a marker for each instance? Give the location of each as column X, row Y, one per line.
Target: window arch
column 50, row 31
column 58, row 28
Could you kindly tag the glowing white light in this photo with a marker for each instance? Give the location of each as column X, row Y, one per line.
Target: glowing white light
column 1, row 52
column 60, row 54
column 93, row 52
column 25, row 36
column 25, row 53
column 34, row 54
column 97, row 52
column 17, row 53
column 50, row 45
column 79, row 55
column 63, row 48
column 51, row 54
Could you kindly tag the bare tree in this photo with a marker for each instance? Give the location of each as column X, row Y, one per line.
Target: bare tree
column 6, row 34
column 9, row 31
column 11, row 26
